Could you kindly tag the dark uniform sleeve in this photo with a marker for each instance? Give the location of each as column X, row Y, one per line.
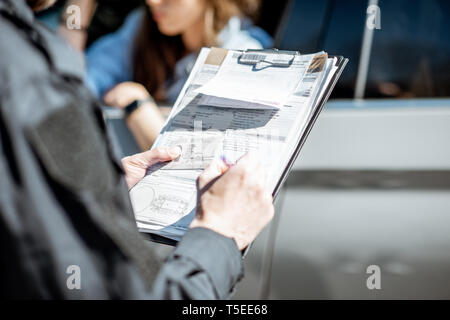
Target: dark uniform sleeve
column 205, row 265
column 63, row 201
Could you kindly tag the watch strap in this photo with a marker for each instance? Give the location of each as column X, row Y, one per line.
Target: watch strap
column 133, row 106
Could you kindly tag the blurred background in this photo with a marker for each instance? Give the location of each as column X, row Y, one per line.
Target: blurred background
column 372, row 183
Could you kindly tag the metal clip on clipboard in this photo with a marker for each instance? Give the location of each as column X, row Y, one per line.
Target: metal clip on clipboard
column 268, row 58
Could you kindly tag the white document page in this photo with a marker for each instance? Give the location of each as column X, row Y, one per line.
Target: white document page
column 268, row 86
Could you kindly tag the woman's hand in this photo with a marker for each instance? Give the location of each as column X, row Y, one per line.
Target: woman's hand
column 136, row 166
column 125, row 93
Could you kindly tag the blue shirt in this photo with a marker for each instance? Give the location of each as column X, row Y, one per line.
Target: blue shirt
column 109, row 59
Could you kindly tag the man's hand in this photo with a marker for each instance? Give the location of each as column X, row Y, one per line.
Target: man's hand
column 136, row 166
column 125, row 93
column 234, row 202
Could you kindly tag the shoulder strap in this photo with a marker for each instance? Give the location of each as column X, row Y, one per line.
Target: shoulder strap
column 8, row 12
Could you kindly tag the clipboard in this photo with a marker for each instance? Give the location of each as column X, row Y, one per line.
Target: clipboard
column 217, row 55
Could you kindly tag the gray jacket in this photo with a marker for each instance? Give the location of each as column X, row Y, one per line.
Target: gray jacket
column 64, row 206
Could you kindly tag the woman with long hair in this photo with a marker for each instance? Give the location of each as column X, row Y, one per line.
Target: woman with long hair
column 147, row 61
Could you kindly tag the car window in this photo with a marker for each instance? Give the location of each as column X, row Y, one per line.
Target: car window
column 410, row 54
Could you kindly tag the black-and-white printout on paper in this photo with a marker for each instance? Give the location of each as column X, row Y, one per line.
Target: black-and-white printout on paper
column 227, row 108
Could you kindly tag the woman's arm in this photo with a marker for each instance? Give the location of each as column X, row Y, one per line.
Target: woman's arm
column 146, row 121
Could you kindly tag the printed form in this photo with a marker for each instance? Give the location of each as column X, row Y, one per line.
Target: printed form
column 227, row 109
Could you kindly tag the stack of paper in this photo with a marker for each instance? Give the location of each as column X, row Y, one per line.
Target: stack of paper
column 228, row 107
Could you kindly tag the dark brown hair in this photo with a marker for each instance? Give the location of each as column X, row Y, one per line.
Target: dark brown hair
column 155, row 54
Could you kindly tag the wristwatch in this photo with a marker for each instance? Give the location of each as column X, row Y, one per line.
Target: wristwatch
column 133, row 106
